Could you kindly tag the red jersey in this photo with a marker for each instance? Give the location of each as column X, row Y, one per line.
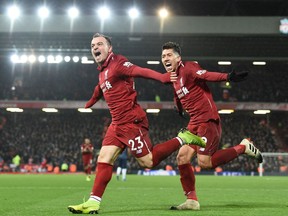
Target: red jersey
column 192, row 91
column 116, row 84
column 87, row 149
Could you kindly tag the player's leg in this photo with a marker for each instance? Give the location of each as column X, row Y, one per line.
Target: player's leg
column 124, row 168
column 160, row 151
column 187, row 179
column 119, row 168
column 111, row 148
column 124, row 173
column 211, row 157
column 85, row 163
column 104, row 170
column 118, row 172
column 89, row 167
column 251, row 150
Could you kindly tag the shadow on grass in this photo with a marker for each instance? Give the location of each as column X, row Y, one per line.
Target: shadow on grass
column 160, row 210
column 248, row 205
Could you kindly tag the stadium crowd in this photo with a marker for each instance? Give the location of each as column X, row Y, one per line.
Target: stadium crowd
column 77, row 82
column 40, row 138
column 56, row 138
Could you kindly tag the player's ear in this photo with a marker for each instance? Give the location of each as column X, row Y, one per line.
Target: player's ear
column 110, row 49
column 179, row 58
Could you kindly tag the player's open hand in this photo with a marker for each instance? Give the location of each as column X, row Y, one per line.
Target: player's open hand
column 173, row 76
column 237, row 76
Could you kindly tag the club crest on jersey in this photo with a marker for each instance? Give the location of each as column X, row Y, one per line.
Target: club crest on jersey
column 127, row 64
column 200, row 72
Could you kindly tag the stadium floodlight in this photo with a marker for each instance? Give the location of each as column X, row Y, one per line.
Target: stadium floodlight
column 152, row 110
column 226, row 111
column 49, row 110
column 76, row 59
column 50, row 59
column 85, row 60
column 73, row 12
column 133, row 13
column 163, row 13
column 14, row 109
column 153, row 62
column 43, row 12
column 224, row 62
column 103, row 12
column 67, row 58
column 59, row 58
column 23, row 58
column 83, row 110
column 259, row 63
column 32, row 58
column 41, row 58
column 14, row 58
column 261, row 112
column 13, row 12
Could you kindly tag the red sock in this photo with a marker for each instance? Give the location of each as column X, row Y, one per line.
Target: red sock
column 89, row 170
column 103, row 176
column 225, row 155
column 163, row 150
column 187, row 179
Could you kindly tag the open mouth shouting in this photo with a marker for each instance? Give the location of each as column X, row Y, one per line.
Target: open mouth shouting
column 168, row 66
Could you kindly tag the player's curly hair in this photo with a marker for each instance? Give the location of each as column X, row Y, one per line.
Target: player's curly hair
column 108, row 39
column 172, row 45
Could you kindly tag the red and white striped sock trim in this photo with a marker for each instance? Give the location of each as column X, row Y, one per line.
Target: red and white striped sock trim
column 95, row 198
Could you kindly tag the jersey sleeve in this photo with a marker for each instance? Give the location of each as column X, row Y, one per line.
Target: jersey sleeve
column 97, row 94
column 177, row 103
column 126, row 68
column 210, row 76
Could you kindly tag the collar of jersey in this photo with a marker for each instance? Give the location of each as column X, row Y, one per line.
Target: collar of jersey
column 100, row 68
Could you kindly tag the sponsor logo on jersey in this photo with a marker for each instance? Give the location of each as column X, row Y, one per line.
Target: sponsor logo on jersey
column 182, row 92
column 127, row 64
column 108, row 84
column 200, row 72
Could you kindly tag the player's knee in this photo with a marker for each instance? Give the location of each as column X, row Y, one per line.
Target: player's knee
column 147, row 164
column 183, row 159
column 205, row 164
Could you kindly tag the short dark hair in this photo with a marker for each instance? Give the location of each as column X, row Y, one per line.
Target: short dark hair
column 172, row 45
column 108, row 39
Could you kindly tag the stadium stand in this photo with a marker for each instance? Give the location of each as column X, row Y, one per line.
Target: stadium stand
column 57, row 137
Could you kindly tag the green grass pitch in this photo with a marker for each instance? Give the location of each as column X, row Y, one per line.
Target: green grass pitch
column 37, row 194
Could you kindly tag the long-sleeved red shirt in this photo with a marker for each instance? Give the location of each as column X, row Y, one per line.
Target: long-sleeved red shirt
column 192, row 93
column 116, row 84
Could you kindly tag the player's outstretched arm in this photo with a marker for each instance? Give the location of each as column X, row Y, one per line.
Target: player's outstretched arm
column 150, row 74
column 97, row 94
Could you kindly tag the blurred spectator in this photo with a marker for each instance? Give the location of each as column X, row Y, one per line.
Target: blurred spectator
column 57, row 136
column 62, row 83
column 15, row 165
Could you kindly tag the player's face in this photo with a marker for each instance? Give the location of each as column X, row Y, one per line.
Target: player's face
column 170, row 60
column 100, row 49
